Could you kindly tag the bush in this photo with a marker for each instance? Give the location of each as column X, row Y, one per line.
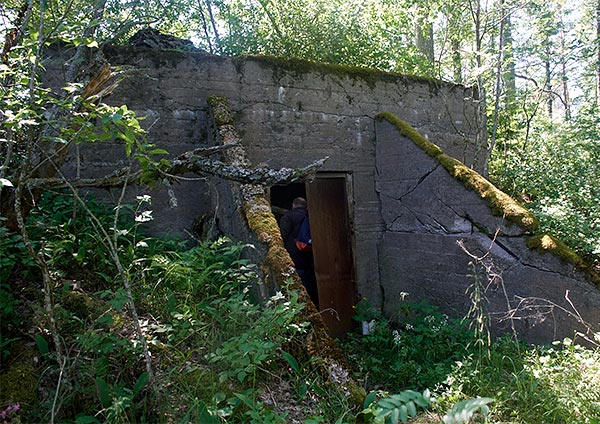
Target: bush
column 418, row 352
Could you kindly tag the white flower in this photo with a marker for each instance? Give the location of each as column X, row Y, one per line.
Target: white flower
column 145, row 216
column 146, row 198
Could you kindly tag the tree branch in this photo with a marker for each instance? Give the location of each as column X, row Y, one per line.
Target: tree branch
column 189, row 162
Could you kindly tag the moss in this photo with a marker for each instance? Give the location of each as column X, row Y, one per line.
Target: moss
column 221, row 111
column 408, row 131
column 546, row 243
column 299, row 67
column 19, row 383
column 499, row 202
column 82, row 305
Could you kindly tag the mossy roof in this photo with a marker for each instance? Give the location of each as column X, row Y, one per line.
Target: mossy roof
column 294, row 67
column 499, row 202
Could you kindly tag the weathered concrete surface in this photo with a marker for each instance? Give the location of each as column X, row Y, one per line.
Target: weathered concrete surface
column 435, row 229
column 408, row 213
column 288, row 114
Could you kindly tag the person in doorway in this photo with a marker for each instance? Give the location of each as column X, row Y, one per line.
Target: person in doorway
column 290, row 225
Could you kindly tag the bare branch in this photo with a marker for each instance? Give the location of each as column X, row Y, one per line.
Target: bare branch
column 188, row 162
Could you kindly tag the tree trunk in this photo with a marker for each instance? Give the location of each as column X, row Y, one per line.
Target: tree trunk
column 456, row 61
column 498, row 84
column 548, row 84
column 277, row 265
column 509, row 64
column 475, row 9
column 218, row 45
column 423, row 33
column 205, row 27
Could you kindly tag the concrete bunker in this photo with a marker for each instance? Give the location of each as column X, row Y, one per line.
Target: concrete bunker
column 329, row 205
column 407, row 201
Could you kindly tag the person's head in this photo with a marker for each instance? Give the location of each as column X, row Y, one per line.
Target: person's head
column 299, row 202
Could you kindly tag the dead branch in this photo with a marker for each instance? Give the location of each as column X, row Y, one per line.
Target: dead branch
column 188, row 162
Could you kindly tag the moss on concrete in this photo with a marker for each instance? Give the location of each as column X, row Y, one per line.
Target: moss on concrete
column 299, row 67
column 546, row 243
column 221, row 112
column 499, row 202
column 406, row 130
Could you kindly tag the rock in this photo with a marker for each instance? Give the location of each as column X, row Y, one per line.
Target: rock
column 154, row 39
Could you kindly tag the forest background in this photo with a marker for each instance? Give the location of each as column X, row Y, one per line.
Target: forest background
column 535, row 63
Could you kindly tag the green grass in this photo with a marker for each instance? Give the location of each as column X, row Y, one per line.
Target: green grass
column 559, row 383
column 221, row 356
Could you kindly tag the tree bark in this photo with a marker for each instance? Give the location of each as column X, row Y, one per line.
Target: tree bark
column 498, row 84
column 205, row 27
column 548, row 84
column 189, row 162
column 214, row 26
column 509, row 64
column 277, row 264
column 423, row 33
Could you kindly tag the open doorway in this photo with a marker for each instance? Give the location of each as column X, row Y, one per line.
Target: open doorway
column 328, row 197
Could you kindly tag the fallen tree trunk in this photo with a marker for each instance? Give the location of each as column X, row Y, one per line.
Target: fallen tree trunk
column 189, row 162
column 277, row 265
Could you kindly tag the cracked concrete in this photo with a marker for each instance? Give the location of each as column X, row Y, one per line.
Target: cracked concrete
column 435, row 231
column 408, row 214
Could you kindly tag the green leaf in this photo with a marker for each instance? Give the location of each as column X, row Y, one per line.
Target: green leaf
column 388, row 403
column 403, row 413
column 412, row 409
column 92, row 44
column 119, row 300
column 103, row 392
column 394, row 416
column 463, row 411
column 247, row 401
column 104, row 319
column 401, row 397
column 42, row 344
column 158, row 152
column 140, row 383
column 291, row 360
column 116, row 117
column 369, row 399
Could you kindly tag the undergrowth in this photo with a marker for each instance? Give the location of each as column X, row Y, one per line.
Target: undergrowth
column 219, row 355
column 422, row 348
column 216, row 351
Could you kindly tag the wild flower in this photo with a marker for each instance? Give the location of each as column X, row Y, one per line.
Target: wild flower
column 9, row 412
column 396, row 337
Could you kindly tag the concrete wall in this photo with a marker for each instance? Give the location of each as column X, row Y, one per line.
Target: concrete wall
column 407, row 212
column 428, row 215
column 288, row 114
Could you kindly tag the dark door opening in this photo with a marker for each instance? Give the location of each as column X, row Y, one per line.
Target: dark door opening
column 331, row 230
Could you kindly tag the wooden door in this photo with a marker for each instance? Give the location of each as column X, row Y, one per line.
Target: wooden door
column 330, row 226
